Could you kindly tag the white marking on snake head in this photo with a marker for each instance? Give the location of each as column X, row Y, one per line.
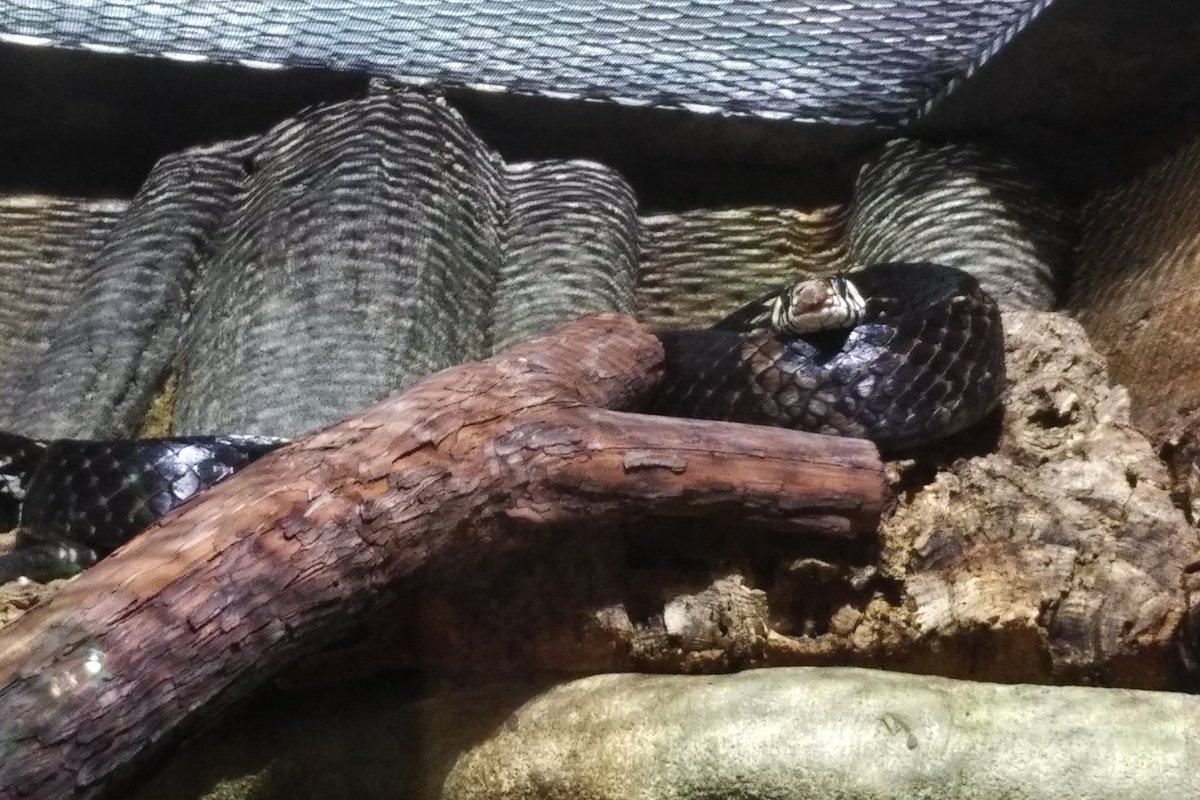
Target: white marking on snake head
column 818, row 304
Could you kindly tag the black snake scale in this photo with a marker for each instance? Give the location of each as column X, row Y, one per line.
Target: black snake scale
column 925, row 360
column 76, row 501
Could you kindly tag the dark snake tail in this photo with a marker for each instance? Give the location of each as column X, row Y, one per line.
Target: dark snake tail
column 83, row 499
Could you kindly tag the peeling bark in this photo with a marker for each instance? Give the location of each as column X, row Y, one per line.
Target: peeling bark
column 290, row 554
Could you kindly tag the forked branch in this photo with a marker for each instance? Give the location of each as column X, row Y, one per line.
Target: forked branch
column 218, row 597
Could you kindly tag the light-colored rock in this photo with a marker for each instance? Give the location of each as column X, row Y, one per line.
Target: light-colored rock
column 1043, row 546
column 1065, row 531
column 782, row 734
column 815, row 734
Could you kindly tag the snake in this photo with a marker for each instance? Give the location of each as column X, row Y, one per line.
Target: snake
column 74, row 501
column 901, row 354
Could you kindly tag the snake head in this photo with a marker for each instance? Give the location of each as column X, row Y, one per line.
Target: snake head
column 817, row 304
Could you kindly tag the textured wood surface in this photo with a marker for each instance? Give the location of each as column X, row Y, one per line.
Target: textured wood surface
column 289, row 554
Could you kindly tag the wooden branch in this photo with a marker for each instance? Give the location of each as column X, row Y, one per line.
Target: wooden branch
column 286, row 556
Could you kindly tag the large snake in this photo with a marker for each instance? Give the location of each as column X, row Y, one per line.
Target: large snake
column 901, row 354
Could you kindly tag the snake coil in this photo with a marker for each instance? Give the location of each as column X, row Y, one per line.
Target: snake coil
column 904, row 355
column 901, row 354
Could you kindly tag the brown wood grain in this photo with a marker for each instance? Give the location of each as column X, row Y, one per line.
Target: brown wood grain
column 220, row 596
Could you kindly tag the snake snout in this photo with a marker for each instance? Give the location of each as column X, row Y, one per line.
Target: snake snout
column 811, row 296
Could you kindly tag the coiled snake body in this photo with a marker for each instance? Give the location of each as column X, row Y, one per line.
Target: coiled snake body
column 913, row 353
column 76, row 501
column 902, row 354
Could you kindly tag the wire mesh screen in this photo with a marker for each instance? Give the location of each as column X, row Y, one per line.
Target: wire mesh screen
column 829, row 61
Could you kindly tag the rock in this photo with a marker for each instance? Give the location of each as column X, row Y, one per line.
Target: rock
column 1043, row 546
column 1134, row 290
column 1063, row 544
column 49, row 248
column 112, row 332
column 802, row 734
column 46, row 244
column 700, row 264
column 570, row 247
column 953, row 204
column 786, row 734
column 17, row 597
column 963, row 206
column 278, row 283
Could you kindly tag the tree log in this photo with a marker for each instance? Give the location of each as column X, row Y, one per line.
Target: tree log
column 283, row 558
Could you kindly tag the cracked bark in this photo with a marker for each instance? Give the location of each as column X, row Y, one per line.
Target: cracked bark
column 288, row 555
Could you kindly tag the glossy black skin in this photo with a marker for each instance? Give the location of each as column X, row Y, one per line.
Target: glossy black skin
column 926, row 361
column 19, row 456
column 83, row 499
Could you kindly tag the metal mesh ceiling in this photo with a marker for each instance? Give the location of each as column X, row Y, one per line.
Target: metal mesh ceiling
column 828, row 61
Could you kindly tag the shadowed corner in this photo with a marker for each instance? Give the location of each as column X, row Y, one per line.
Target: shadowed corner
column 44, row 562
column 1188, row 641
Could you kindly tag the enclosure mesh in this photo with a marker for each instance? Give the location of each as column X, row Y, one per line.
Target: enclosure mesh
column 964, row 207
column 834, row 61
column 1134, row 288
column 114, row 330
column 45, row 244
